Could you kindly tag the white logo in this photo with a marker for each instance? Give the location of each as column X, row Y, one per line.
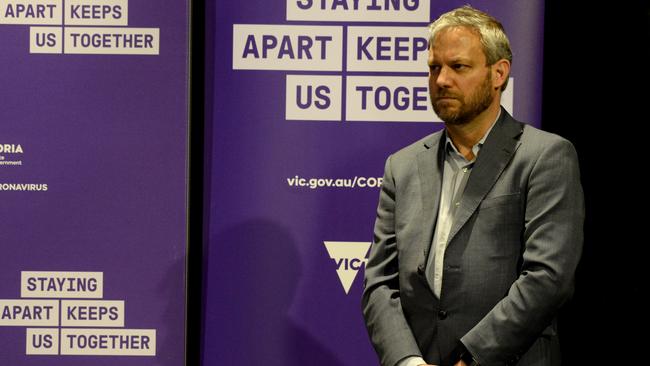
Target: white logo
column 349, row 257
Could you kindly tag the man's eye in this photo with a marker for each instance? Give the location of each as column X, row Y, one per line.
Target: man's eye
column 434, row 68
column 459, row 66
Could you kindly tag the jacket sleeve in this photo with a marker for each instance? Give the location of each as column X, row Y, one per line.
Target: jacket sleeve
column 552, row 239
column 389, row 332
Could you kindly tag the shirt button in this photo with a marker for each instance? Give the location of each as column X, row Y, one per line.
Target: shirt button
column 457, row 204
column 442, row 315
column 464, row 170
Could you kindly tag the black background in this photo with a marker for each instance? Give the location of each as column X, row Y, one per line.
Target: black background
column 595, row 93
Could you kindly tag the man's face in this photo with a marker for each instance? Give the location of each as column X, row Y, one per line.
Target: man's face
column 460, row 83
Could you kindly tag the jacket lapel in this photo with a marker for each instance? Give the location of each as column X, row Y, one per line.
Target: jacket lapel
column 495, row 154
column 430, row 166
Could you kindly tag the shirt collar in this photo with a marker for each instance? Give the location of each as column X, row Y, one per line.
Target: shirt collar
column 475, row 149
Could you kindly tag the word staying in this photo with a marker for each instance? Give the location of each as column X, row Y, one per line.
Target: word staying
column 378, row 5
column 62, row 284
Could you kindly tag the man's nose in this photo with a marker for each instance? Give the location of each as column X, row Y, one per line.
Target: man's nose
column 444, row 77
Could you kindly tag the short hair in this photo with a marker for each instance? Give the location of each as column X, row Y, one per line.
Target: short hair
column 496, row 45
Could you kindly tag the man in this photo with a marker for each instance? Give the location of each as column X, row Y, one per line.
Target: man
column 479, row 226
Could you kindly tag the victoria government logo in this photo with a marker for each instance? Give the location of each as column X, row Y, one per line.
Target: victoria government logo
column 345, row 70
column 349, row 257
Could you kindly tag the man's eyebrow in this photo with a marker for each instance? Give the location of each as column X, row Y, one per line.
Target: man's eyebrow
column 453, row 61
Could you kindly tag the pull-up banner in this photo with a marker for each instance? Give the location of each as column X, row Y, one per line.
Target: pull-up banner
column 308, row 98
column 93, row 182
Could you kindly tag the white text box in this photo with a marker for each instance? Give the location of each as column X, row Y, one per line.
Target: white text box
column 313, row 97
column 287, row 47
column 108, row 342
column 359, row 10
column 62, row 284
column 96, row 12
column 45, row 40
column 31, row 12
column 112, row 41
column 387, row 49
column 29, row 313
column 42, row 341
column 389, row 99
column 92, row 313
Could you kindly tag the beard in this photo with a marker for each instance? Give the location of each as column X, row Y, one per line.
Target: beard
column 476, row 103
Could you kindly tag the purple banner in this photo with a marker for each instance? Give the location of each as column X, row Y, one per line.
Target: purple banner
column 93, row 182
column 309, row 99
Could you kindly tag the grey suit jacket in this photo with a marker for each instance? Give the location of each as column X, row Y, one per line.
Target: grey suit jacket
column 510, row 260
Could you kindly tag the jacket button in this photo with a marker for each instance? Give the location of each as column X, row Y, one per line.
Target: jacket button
column 442, row 314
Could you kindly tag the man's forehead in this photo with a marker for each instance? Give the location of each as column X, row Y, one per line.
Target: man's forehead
column 456, row 43
column 456, row 34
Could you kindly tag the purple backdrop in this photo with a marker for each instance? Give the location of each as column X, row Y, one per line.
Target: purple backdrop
column 281, row 182
column 107, row 135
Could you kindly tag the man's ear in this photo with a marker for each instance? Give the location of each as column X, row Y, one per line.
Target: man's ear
column 500, row 73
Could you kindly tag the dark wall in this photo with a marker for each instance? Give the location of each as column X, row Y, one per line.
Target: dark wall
column 596, row 95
